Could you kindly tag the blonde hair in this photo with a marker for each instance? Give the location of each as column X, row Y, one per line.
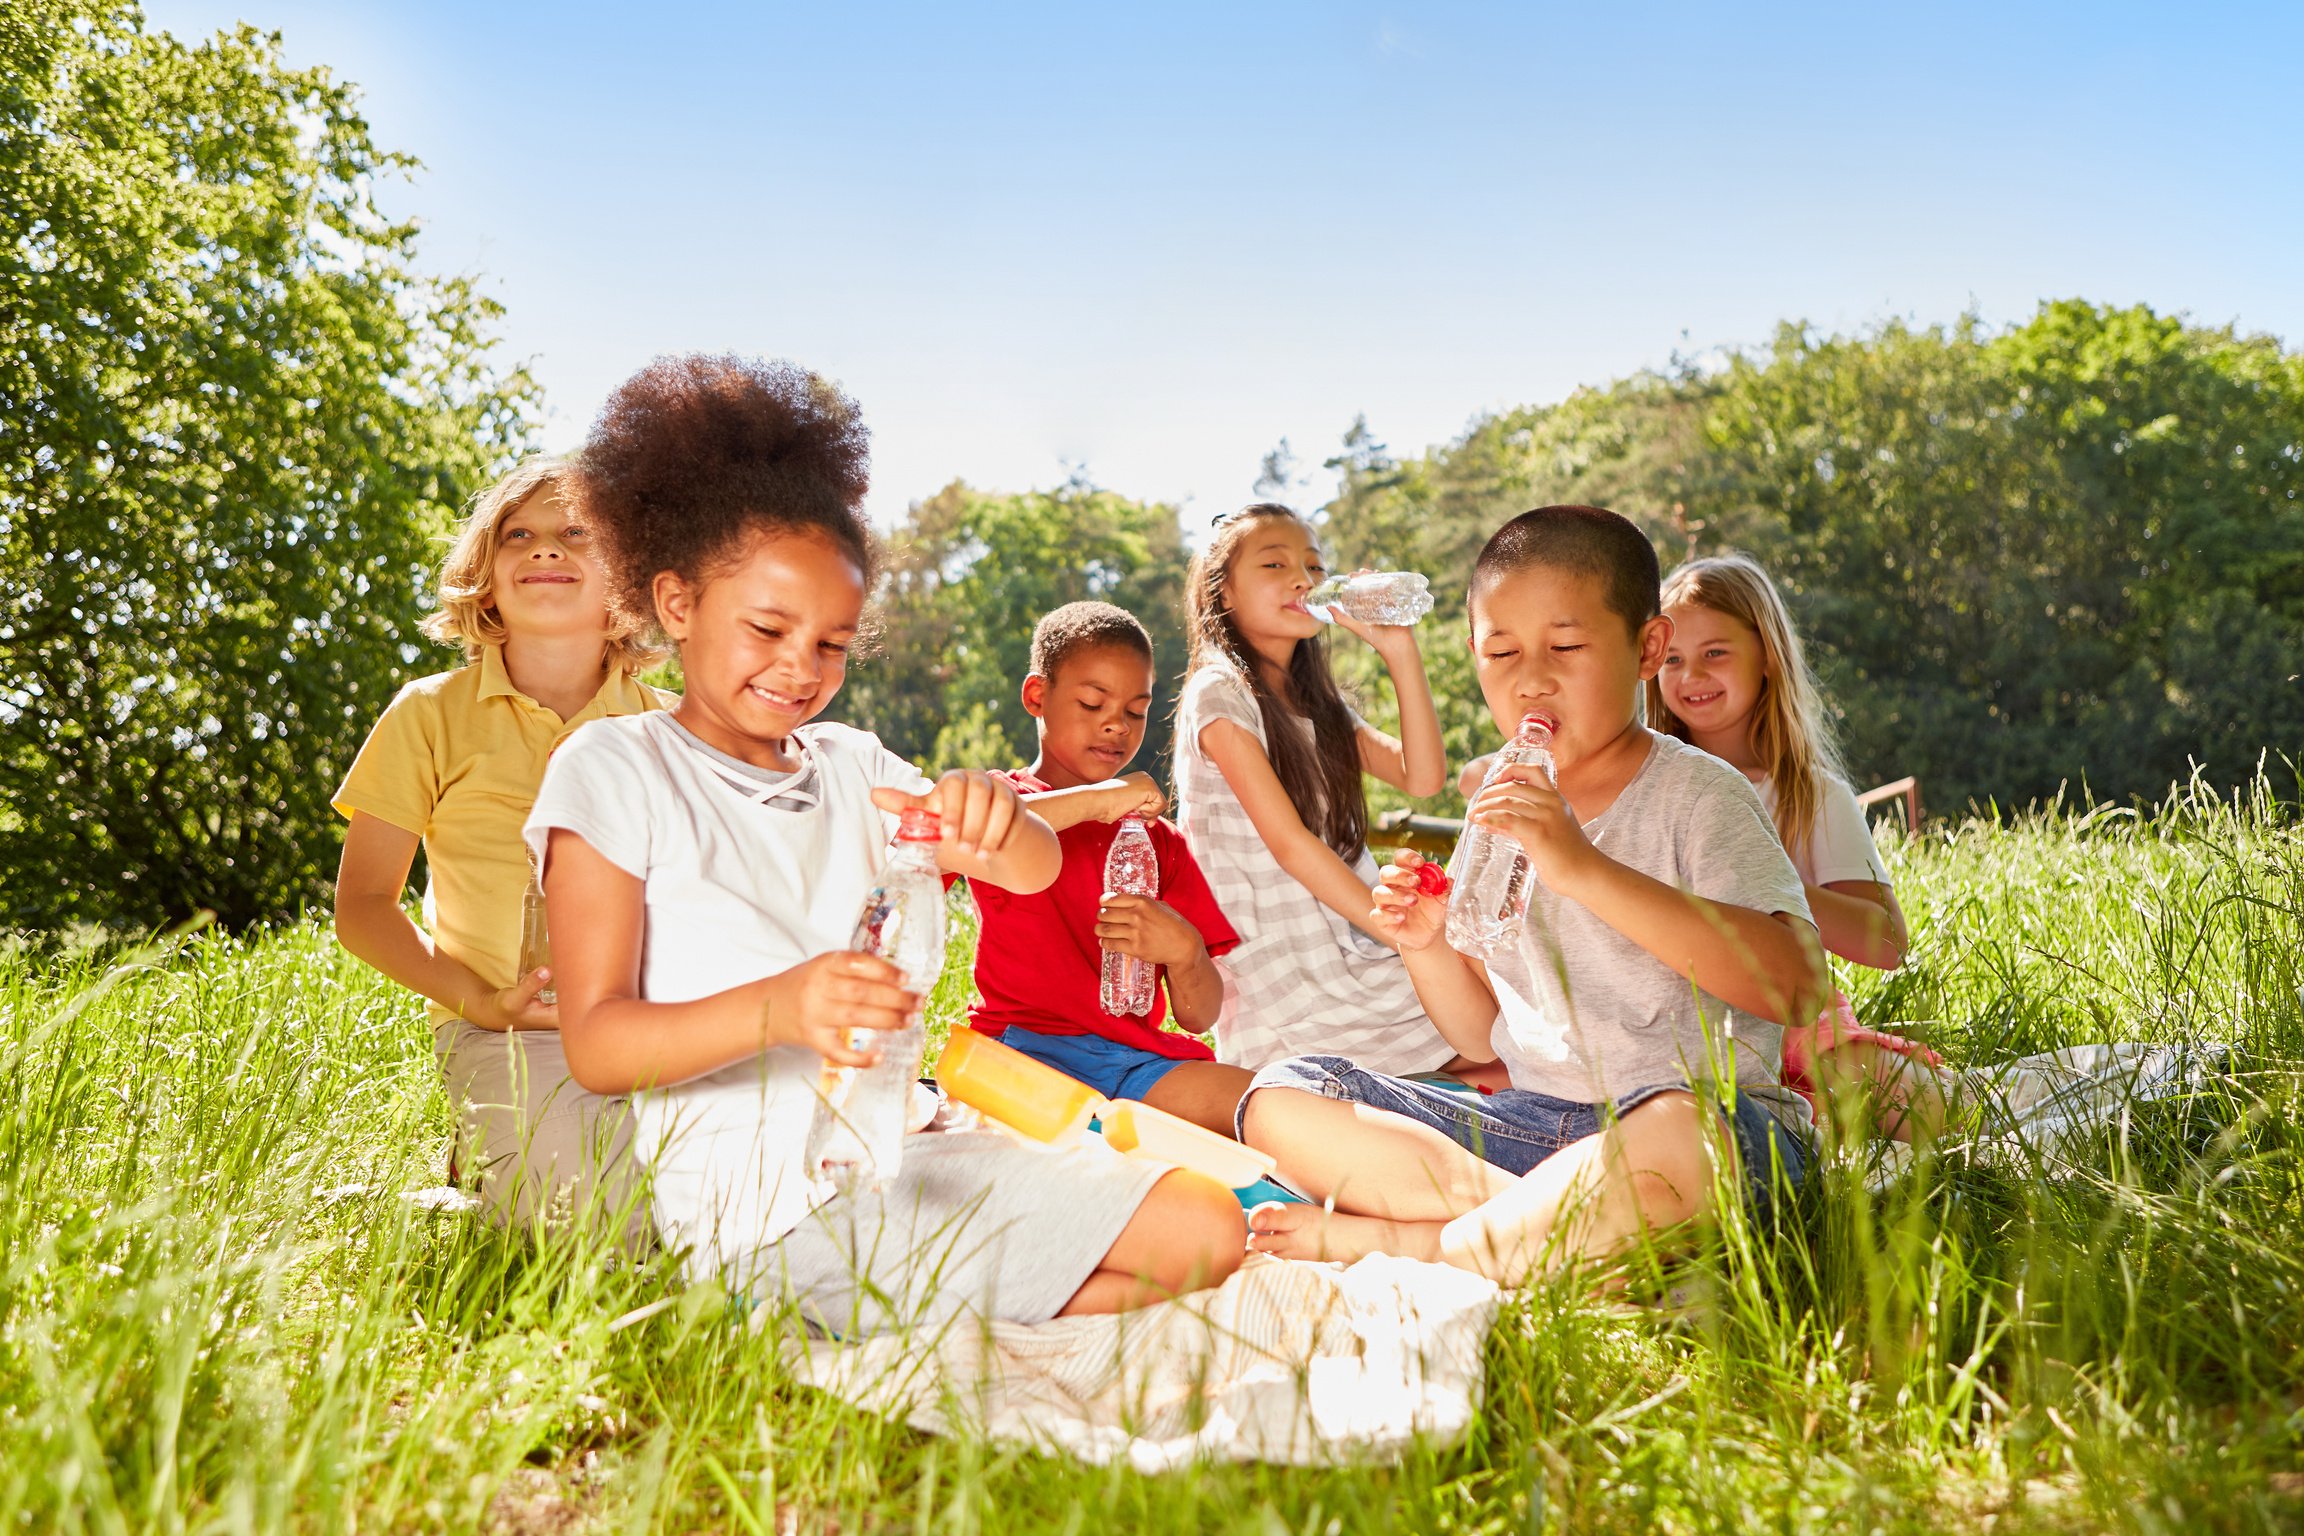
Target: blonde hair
column 1789, row 733
column 467, row 613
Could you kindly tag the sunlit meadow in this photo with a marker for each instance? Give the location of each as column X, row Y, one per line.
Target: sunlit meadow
column 218, row 1310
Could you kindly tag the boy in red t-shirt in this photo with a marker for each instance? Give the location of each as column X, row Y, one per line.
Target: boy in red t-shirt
column 1039, row 959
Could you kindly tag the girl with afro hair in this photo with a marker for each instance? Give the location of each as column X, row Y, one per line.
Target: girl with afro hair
column 704, row 866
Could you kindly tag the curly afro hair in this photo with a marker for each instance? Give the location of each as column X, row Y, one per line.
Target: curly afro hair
column 694, row 458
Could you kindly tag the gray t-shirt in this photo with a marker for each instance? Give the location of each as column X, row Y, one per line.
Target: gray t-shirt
column 1586, row 1014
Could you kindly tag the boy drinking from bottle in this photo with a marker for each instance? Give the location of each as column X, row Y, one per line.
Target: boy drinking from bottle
column 1040, row 957
column 1667, row 942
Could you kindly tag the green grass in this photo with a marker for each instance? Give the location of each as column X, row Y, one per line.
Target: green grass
column 216, row 1312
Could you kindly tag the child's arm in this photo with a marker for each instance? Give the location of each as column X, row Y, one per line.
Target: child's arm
column 371, row 924
column 617, row 1042
column 1150, row 929
column 1415, row 764
column 1859, row 920
column 1764, row 963
column 1136, row 793
column 988, row 834
column 1307, row 860
column 1452, row 987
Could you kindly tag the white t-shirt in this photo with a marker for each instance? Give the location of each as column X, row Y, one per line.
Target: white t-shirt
column 1586, row 1014
column 1840, row 845
column 736, row 889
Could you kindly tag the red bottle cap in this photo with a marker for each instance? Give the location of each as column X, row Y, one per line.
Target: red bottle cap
column 919, row 825
column 1431, row 879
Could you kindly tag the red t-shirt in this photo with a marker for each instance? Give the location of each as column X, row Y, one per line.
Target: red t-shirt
column 1037, row 960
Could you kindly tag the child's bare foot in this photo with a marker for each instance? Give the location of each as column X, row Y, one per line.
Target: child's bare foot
column 1290, row 1230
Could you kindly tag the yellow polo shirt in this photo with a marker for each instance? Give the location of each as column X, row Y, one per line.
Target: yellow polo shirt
column 456, row 760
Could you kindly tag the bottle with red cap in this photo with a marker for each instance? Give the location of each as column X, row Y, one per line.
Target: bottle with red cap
column 862, row 1113
column 1488, row 876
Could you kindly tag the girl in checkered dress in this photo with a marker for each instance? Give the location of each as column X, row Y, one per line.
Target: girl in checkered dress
column 1268, row 765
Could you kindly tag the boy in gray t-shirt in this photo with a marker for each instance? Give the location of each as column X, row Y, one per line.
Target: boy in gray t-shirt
column 1668, row 939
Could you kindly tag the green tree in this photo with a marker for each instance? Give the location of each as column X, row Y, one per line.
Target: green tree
column 2069, row 551
column 234, row 421
column 969, row 575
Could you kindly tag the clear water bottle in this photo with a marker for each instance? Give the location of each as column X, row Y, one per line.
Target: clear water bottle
column 862, row 1113
column 1372, row 597
column 1488, row 876
column 1131, row 868
column 535, row 939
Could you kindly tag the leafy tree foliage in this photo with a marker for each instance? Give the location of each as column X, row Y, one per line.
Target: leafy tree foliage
column 2068, row 552
column 970, row 573
column 234, row 421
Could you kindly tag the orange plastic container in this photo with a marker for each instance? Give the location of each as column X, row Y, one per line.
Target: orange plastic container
column 1141, row 1130
column 1027, row 1096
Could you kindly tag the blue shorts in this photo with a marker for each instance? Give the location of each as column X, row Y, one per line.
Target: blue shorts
column 1114, row 1070
column 1515, row 1129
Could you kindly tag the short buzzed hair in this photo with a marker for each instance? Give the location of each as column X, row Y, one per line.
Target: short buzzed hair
column 1078, row 627
column 1590, row 541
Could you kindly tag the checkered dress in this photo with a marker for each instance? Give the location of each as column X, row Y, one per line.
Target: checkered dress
column 1309, row 982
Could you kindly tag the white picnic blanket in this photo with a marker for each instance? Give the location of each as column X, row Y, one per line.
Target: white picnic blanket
column 1287, row 1361
column 2039, row 1114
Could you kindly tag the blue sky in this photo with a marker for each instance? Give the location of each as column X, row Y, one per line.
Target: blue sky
column 1154, row 240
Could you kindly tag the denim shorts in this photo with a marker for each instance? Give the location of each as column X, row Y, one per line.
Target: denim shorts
column 1515, row 1129
column 1114, row 1070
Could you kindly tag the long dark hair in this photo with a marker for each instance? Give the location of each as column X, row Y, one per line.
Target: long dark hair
column 1322, row 776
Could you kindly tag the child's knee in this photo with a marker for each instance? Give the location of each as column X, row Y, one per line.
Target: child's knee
column 1265, row 1112
column 1664, row 1159
column 1205, row 1230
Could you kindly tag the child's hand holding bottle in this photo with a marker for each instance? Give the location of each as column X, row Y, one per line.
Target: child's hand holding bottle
column 1396, row 643
column 517, row 1007
column 1522, row 804
column 1149, row 929
column 816, row 1003
column 1134, row 794
column 1411, row 900
column 980, row 811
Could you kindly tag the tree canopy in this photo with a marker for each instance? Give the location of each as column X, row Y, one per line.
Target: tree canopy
column 237, row 419
column 2066, row 553
column 969, row 574
column 234, row 420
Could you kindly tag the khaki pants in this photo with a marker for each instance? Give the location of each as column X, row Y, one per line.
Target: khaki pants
column 541, row 1146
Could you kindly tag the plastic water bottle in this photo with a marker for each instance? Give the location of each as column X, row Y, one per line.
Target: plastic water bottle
column 1131, row 868
column 1372, row 597
column 862, row 1113
column 1488, row 876
column 535, row 939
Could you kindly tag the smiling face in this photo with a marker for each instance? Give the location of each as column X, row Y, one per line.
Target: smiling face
column 545, row 578
column 1714, row 671
column 1092, row 714
column 1544, row 640
column 1278, row 561
column 763, row 641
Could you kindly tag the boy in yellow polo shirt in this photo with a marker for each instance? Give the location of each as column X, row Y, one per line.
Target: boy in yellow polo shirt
column 454, row 763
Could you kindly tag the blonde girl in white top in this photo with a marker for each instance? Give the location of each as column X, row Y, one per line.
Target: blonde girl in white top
column 1736, row 684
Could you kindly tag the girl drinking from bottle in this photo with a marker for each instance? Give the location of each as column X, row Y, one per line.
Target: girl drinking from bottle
column 706, row 867
column 1736, row 684
column 1268, row 765
column 453, row 764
